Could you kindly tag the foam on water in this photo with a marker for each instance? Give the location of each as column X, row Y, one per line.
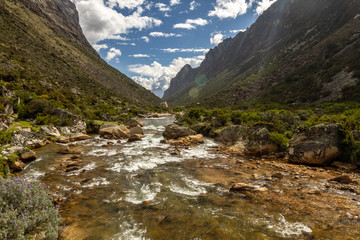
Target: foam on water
column 287, row 229
column 88, row 167
column 97, row 182
column 190, row 187
column 130, row 230
column 146, row 193
column 102, row 152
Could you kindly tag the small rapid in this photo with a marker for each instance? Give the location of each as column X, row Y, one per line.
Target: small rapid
column 138, row 190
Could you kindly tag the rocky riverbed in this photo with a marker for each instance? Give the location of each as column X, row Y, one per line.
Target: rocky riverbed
column 115, row 189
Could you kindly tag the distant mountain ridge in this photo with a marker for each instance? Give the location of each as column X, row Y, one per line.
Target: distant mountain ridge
column 44, row 54
column 291, row 54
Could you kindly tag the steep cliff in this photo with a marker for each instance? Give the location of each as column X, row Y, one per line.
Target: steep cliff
column 289, row 55
column 44, row 54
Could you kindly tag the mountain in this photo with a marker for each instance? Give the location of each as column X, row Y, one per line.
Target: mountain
column 297, row 52
column 45, row 56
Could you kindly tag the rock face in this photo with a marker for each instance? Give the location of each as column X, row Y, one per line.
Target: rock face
column 50, row 131
column 319, row 145
column 174, row 131
column 28, row 139
column 76, row 123
column 260, row 142
column 225, row 77
column 114, row 132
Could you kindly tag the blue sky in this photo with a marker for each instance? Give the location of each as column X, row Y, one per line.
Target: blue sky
column 150, row 41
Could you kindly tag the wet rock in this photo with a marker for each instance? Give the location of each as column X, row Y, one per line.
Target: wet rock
column 133, row 123
column 277, row 175
column 28, row 139
column 73, row 168
column 345, row 179
column 319, row 145
column 195, row 139
column 135, row 137
column 79, row 137
column 260, row 142
column 345, row 166
column 114, row 132
column 17, row 166
column 64, row 150
column 136, row 130
column 28, row 156
column 174, row 131
column 63, row 140
column 75, row 156
column 163, row 141
column 50, row 131
column 175, row 152
column 241, row 187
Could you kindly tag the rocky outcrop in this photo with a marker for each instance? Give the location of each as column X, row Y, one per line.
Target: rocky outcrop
column 114, row 132
column 174, row 131
column 259, row 142
column 49, row 131
column 229, row 135
column 181, row 80
column 318, row 145
column 4, row 122
column 76, row 123
column 28, row 139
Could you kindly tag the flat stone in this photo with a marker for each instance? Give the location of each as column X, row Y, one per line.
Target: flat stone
column 345, row 179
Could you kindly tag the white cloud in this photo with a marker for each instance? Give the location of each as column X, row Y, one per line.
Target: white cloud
column 100, row 22
column 237, row 31
column 140, row 56
column 216, row 39
column 161, row 34
column 156, row 76
column 194, row 5
column 230, row 8
column 162, row 7
column 263, row 5
column 174, row 2
column 130, row 4
column 191, row 23
column 126, row 44
column 193, row 50
column 98, row 47
column 112, row 53
column 146, row 39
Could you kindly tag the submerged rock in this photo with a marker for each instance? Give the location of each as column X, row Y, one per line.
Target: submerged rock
column 174, row 131
column 319, row 145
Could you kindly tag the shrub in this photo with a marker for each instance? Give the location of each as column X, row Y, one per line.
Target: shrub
column 279, row 139
column 5, row 137
column 26, row 210
column 222, row 115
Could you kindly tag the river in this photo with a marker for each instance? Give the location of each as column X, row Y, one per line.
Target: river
column 127, row 191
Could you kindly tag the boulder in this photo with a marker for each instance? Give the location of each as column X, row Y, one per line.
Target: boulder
column 345, row 179
column 174, row 131
column 195, row 139
column 260, row 142
column 28, row 139
column 76, row 123
column 229, row 134
column 318, row 145
column 133, row 123
column 17, row 166
column 79, row 137
column 114, row 132
column 136, row 130
column 135, row 137
column 28, row 156
column 50, row 131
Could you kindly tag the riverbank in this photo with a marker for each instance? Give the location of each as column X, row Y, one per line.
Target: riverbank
column 115, row 189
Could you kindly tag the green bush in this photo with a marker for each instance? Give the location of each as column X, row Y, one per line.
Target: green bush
column 222, row 115
column 5, row 137
column 26, row 210
column 280, row 140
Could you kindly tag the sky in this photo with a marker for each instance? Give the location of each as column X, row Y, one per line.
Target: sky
column 150, row 41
